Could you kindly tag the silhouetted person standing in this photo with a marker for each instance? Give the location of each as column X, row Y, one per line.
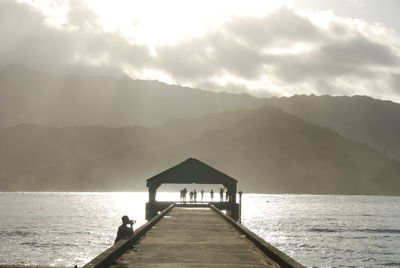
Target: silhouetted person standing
column 184, row 194
column 195, row 195
column 212, row 195
column 125, row 232
column 191, row 196
column 221, row 194
column 202, row 195
column 228, row 196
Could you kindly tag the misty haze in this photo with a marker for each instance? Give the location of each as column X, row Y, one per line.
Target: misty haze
column 297, row 101
column 98, row 133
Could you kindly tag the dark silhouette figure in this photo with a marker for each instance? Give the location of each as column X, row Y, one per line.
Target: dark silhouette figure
column 125, row 232
column 195, row 195
column 191, row 196
column 228, row 197
column 202, row 195
column 221, row 194
column 184, row 194
column 212, row 195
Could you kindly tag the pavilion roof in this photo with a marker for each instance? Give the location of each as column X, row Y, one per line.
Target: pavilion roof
column 191, row 171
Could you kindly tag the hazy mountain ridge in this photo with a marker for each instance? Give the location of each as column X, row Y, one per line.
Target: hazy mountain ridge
column 295, row 156
column 360, row 118
column 267, row 150
column 28, row 96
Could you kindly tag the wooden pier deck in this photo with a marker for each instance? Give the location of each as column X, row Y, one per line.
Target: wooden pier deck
column 193, row 237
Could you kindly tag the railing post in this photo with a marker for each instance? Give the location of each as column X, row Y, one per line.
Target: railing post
column 240, row 206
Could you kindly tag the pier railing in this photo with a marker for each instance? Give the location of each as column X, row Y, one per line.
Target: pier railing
column 231, row 208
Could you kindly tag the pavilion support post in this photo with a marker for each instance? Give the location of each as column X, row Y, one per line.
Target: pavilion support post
column 240, row 206
column 233, row 208
column 151, row 210
column 235, row 211
column 151, row 206
column 152, row 193
column 233, row 190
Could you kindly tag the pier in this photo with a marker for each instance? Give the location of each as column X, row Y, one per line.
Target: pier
column 184, row 234
column 193, row 237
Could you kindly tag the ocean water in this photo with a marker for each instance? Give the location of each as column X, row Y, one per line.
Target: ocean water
column 322, row 231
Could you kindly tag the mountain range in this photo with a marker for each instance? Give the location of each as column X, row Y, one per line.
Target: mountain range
column 28, row 96
column 73, row 133
column 361, row 118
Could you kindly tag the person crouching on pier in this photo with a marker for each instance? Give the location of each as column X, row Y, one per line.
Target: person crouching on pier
column 125, row 232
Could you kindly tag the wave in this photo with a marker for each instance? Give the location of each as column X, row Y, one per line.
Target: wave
column 75, row 233
column 379, row 231
column 391, row 264
column 371, row 231
column 18, row 233
column 47, row 245
column 324, row 230
column 23, row 233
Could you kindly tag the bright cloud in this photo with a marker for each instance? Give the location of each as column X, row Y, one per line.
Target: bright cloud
column 273, row 50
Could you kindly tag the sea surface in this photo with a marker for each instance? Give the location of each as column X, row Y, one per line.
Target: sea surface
column 322, row 231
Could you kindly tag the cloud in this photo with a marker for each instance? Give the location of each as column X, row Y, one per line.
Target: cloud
column 200, row 58
column 80, row 14
column 282, row 27
column 356, row 57
column 80, row 45
column 290, row 51
column 359, row 51
column 395, row 82
column 284, row 52
column 237, row 47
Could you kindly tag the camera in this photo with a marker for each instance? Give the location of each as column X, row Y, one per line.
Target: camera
column 132, row 221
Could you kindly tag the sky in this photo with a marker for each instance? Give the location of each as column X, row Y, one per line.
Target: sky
column 263, row 48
